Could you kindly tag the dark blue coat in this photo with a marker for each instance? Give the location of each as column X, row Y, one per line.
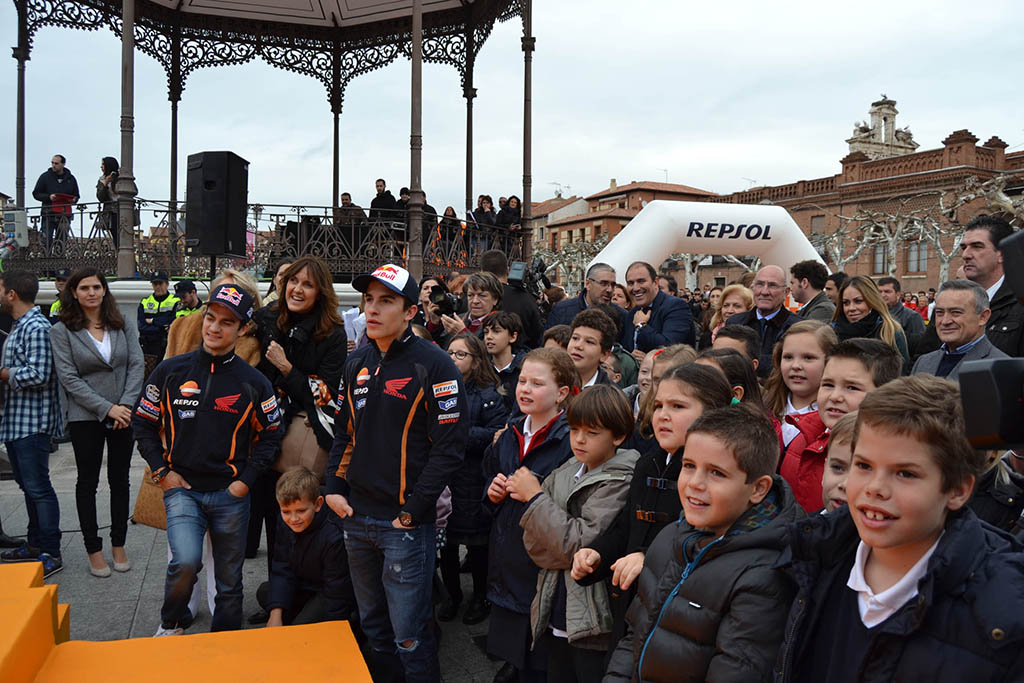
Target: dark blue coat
column 565, row 310
column 511, row 574
column 312, row 561
column 485, row 413
column 671, row 323
column 777, row 327
column 965, row 625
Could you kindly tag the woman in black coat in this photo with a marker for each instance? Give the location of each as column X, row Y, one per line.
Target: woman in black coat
column 485, row 413
column 303, row 343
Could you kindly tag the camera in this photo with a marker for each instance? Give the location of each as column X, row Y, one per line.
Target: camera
column 529, row 278
column 446, row 302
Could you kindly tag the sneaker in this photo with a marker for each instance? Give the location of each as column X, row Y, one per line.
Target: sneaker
column 51, row 564
column 161, row 632
column 20, row 554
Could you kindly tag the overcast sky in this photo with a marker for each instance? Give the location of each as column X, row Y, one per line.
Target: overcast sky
column 721, row 94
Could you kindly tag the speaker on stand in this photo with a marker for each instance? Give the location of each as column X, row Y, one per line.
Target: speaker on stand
column 217, row 187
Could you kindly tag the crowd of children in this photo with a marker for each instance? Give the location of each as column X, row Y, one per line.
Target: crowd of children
column 696, row 525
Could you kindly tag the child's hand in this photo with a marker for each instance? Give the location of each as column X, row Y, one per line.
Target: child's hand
column 584, row 562
column 626, row 569
column 523, row 485
column 496, row 491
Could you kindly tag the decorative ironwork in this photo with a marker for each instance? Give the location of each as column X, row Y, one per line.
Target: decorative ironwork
column 350, row 244
column 211, row 40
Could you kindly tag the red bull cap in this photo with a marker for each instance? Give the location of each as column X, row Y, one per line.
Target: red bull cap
column 395, row 278
column 235, row 299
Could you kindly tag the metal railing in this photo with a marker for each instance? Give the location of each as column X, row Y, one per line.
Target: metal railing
column 347, row 238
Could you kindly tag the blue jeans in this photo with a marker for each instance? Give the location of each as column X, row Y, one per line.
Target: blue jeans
column 189, row 515
column 30, row 462
column 392, row 574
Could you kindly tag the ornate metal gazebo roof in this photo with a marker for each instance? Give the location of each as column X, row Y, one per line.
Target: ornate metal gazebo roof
column 331, row 40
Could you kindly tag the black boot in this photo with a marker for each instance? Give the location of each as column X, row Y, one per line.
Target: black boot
column 477, row 611
column 385, row 667
column 506, row 674
column 8, row 541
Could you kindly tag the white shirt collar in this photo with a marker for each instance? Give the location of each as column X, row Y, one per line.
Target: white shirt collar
column 789, row 432
column 876, row 608
column 592, row 381
column 507, row 366
column 995, row 288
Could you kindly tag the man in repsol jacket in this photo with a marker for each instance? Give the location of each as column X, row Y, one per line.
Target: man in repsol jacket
column 207, row 424
column 399, row 439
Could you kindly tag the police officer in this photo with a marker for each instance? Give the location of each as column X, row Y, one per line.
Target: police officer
column 188, row 300
column 155, row 315
column 59, row 280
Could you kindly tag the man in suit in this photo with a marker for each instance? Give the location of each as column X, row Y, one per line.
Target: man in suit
column 597, row 290
column 961, row 313
column 657, row 319
column 769, row 318
column 807, row 280
column 909, row 320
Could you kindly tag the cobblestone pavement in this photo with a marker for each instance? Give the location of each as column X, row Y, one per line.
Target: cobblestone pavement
column 128, row 605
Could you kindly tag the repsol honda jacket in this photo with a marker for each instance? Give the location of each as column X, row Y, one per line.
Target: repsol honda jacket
column 211, row 419
column 399, row 432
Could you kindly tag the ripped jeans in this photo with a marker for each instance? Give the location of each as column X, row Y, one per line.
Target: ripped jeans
column 392, row 573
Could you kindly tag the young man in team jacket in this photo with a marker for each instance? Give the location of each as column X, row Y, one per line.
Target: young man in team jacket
column 207, row 424
column 399, row 439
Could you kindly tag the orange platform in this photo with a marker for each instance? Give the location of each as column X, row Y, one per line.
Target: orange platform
column 34, row 647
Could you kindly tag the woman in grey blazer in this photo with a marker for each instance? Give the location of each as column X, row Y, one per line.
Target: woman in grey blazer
column 100, row 366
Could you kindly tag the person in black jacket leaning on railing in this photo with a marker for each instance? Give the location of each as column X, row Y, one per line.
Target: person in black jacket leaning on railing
column 207, row 424
column 399, row 439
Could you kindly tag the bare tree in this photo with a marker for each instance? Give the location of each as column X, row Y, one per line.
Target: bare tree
column 571, row 260
column 845, row 244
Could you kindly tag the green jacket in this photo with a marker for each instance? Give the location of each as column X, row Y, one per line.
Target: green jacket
column 563, row 518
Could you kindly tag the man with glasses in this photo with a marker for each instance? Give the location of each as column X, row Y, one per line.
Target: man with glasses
column 597, row 290
column 769, row 318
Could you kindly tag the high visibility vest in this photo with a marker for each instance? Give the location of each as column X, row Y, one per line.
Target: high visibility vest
column 151, row 306
column 55, row 309
column 182, row 312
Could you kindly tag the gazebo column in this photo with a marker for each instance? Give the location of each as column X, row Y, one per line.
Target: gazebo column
column 126, row 189
column 174, row 89
column 414, row 237
column 529, row 43
column 469, row 92
column 335, row 97
column 21, row 53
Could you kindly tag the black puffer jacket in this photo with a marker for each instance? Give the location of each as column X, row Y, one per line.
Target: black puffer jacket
column 485, row 413
column 965, row 625
column 713, row 613
column 316, row 369
column 511, row 574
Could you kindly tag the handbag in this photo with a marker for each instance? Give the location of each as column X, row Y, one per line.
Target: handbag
column 300, row 447
column 149, row 505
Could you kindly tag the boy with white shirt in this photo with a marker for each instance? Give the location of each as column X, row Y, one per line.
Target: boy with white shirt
column 907, row 584
column 593, row 335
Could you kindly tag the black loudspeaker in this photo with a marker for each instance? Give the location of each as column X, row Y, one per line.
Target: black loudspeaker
column 215, row 204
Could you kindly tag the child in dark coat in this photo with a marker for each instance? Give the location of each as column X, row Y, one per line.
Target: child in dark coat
column 309, row 580
column 710, row 605
column 484, row 411
column 907, row 584
column 538, row 442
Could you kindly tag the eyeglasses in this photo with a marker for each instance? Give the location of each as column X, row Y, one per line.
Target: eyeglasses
column 773, row 286
column 602, row 283
column 459, row 355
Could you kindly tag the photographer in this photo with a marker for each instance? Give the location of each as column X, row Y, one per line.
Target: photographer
column 483, row 295
column 515, row 299
column 430, row 313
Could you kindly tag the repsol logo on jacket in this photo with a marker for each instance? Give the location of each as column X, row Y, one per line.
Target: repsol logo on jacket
column 729, row 231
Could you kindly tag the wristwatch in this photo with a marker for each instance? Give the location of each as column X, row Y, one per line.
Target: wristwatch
column 405, row 519
column 158, row 476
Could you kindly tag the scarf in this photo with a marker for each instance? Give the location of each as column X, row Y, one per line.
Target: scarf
column 865, row 327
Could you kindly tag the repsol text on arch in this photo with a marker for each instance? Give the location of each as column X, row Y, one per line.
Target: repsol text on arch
column 729, row 231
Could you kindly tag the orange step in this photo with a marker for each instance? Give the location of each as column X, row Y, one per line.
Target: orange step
column 26, row 632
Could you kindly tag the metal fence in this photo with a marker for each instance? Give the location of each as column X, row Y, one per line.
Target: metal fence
column 348, row 239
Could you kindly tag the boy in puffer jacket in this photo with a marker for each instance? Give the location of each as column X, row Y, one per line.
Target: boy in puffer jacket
column 578, row 502
column 709, row 604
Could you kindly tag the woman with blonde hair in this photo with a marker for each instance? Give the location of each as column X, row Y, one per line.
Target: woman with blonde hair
column 186, row 333
column 735, row 299
column 862, row 313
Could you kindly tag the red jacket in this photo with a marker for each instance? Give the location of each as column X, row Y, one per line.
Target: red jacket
column 804, row 462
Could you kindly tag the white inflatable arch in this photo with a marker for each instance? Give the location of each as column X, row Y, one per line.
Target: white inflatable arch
column 663, row 228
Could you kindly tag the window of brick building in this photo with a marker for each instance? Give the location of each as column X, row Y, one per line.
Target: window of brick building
column 880, row 262
column 917, row 257
column 817, row 224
